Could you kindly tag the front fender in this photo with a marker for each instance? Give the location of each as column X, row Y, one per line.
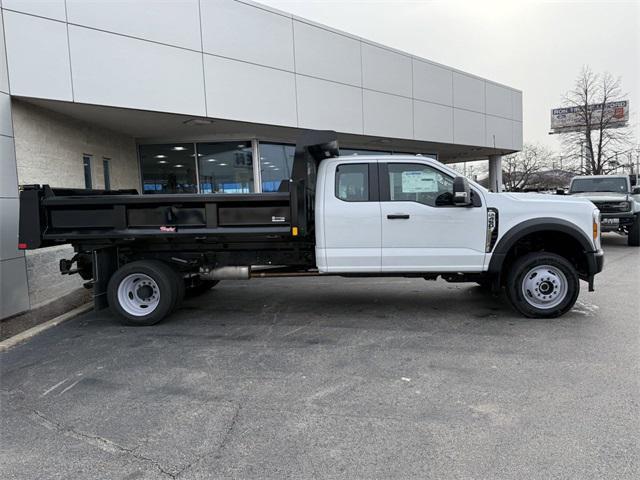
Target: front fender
column 512, row 236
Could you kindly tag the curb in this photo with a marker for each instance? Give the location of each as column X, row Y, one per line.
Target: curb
column 27, row 334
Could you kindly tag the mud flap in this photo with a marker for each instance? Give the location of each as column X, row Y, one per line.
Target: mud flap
column 105, row 263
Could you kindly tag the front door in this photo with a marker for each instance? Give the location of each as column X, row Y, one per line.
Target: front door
column 421, row 230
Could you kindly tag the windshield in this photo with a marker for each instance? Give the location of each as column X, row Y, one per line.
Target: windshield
column 610, row 184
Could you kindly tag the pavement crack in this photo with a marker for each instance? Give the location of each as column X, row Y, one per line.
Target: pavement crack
column 230, row 428
column 225, row 439
column 96, row 441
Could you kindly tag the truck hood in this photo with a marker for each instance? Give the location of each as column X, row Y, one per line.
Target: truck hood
column 541, row 197
column 602, row 196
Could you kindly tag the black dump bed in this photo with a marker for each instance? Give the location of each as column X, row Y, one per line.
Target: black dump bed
column 50, row 216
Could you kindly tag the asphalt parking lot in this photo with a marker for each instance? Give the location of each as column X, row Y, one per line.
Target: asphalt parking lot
column 335, row 378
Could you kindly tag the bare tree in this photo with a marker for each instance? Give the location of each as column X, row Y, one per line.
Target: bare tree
column 520, row 169
column 593, row 149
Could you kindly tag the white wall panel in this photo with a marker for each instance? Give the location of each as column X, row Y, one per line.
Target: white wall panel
column 37, row 57
column 386, row 71
column 324, row 54
column 432, row 122
column 499, row 100
column 468, row 92
column 499, row 132
column 114, row 70
column 9, row 176
column 43, row 8
column 9, row 229
column 4, row 75
column 242, row 91
column 13, row 287
column 244, row 32
column 171, row 22
column 517, row 135
column 328, row 105
column 517, row 106
column 432, row 83
column 6, row 127
column 387, row 115
column 468, row 127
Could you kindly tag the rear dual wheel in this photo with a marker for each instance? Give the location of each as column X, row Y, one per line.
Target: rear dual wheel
column 144, row 292
column 196, row 286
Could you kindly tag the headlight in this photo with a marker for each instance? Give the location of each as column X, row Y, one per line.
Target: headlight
column 624, row 206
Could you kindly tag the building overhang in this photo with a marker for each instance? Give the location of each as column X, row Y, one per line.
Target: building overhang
column 157, row 127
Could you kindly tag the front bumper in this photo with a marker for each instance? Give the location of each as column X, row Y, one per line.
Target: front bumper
column 624, row 219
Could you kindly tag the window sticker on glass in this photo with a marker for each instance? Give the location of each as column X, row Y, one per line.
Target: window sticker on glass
column 419, row 182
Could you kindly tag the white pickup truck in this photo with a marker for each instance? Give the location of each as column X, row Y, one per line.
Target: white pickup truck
column 618, row 202
column 351, row 216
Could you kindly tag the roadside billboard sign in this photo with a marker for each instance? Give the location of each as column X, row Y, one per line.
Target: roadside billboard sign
column 572, row 119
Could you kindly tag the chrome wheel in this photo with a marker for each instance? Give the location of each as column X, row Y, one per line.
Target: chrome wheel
column 544, row 287
column 138, row 294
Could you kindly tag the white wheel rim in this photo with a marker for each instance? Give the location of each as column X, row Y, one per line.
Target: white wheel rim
column 138, row 294
column 544, row 287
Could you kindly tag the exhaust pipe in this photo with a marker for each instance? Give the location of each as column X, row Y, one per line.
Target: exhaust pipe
column 225, row 273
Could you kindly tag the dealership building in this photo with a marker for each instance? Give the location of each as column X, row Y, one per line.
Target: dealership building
column 202, row 96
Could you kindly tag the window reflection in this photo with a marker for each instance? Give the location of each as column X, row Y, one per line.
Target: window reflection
column 276, row 161
column 225, row 167
column 169, row 168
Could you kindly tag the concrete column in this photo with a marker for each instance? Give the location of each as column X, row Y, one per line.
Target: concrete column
column 495, row 173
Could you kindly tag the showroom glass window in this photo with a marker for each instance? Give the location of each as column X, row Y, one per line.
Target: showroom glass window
column 169, row 168
column 276, row 161
column 225, row 167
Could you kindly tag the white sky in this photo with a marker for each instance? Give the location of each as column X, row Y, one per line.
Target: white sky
column 536, row 46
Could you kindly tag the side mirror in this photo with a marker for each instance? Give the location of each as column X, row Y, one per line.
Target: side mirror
column 635, row 191
column 461, row 192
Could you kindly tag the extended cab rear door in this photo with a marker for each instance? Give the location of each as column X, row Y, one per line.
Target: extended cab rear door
column 348, row 222
column 421, row 230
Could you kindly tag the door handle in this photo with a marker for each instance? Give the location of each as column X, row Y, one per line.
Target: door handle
column 398, row 216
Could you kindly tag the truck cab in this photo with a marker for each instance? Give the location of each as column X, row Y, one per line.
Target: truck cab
column 618, row 203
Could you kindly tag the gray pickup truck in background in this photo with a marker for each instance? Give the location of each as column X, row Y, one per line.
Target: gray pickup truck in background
column 618, row 202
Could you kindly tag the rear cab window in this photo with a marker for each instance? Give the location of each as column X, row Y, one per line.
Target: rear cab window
column 352, row 182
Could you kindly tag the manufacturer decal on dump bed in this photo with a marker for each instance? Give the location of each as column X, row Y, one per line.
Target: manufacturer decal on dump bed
column 167, row 229
column 275, row 219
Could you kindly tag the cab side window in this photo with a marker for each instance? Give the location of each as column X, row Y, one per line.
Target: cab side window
column 414, row 182
column 352, row 182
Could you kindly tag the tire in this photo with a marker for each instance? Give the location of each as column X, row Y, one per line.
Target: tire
column 143, row 292
column 634, row 232
column 198, row 286
column 535, row 274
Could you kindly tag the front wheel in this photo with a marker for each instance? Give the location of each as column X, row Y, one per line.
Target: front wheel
column 542, row 285
column 142, row 292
